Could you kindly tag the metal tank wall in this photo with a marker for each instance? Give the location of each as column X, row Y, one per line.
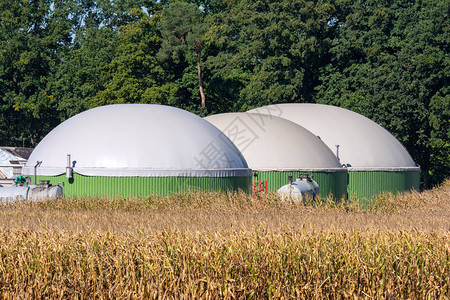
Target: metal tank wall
column 364, row 185
column 102, row 186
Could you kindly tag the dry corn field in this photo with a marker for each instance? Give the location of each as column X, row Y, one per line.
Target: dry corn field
column 205, row 245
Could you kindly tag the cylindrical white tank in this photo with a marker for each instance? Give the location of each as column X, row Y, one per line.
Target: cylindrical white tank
column 299, row 190
column 31, row 192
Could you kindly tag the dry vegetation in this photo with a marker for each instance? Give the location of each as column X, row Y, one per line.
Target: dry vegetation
column 226, row 246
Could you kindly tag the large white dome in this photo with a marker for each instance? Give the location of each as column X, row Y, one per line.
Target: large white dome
column 272, row 143
column 137, row 140
column 363, row 144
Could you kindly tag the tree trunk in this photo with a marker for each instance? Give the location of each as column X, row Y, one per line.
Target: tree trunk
column 200, row 75
column 426, row 179
column 425, row 166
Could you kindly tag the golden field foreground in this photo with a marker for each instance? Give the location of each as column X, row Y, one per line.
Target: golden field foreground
column 205, row 245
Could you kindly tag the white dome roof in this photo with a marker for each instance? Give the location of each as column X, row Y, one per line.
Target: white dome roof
column 363, row 144
column 137, row 140
column 272, row 143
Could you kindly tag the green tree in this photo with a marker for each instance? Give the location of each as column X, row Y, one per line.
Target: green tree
column 134, row 75
column 182, row 29
column 208, row 7
column 33, row 37
column 85, row 70
column 390, row 62
column 272, row 51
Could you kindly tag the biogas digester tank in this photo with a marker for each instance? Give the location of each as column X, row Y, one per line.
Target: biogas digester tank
column 275, row 149
column 376, row 161
column 138, row 150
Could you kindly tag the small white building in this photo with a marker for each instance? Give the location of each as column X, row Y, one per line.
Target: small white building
column 12, row 159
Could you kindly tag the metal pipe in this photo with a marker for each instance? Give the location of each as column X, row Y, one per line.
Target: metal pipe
column 69, row 170
column 38, row 163
column 337, row 153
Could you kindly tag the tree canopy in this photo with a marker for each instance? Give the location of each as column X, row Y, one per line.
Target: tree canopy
column 388, row 60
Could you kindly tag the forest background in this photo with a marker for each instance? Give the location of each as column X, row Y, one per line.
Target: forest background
column 387, row 60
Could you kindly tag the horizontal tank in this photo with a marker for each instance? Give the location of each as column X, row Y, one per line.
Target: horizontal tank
column 300, row 190
column 31, row 192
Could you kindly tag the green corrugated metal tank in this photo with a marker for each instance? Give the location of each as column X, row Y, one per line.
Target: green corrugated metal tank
column 275, row 149
column 376, row 161
column 137, row 150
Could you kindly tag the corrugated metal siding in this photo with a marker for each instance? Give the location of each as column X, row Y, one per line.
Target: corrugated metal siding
column 98, row 186
column 364, row 185
column 334, row 183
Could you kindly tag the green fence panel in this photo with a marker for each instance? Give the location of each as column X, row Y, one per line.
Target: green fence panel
column 102, row 186
column 364, row 185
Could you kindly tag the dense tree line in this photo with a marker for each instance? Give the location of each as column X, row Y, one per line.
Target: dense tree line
column 387, row 60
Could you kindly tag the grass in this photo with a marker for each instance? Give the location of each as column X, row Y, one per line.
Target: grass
column 206, row 245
